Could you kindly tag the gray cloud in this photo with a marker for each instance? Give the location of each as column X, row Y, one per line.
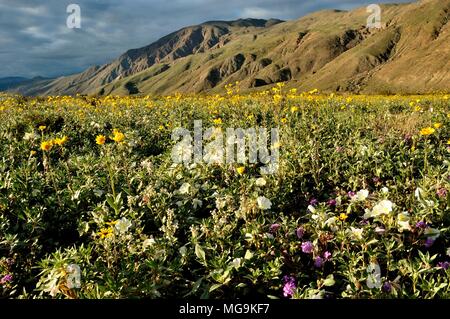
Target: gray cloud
column 34, row 39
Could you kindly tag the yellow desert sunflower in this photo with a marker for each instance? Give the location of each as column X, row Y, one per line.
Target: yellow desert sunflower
column 427, row 131
column 100, row 139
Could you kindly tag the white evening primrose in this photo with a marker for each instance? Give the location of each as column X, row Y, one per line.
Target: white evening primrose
column 264, row 203
column 311, row 208
column 148, row 242
column 419, row 193
column 260, row 182
column 361, row 195
column 236, row 263
column 184, row 189
column 197, row 203
column 356, row 233
column 385, row 190
column 122, row 225
column 403, row 222
column 382, row 208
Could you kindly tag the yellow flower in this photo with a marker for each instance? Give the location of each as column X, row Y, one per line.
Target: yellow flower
column 437, row 125
column 240, row 170
column 100, row 139
column 118, row 136
column 105, row 232
column 61, row 141
column 294, row 109
column 448, row 142
column 427, row 131
column 218, row 121
column 343, row 217
column 42, row 127
column 283, row 120
column 32, row 153
column 46, row 145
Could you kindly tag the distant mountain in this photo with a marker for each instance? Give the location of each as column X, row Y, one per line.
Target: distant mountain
column 330, row 50
column 17, row 83
column 10, row 82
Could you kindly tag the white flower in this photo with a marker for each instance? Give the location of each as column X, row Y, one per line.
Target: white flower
column 311, row 208
column 184, row 189
column 403, row 221
column 380, row 230
column 382, row 208
column 148, row 242
column 361, row 195
column 418, row 193
column 30, row 136
column 123, row 225
column 385, row 190
column 264, row 203
column 197, row 203
column 432, row 233
column 269, row 236
column 356, row 232
column 221, row 203
column 236, row 263
column 331, row 223
column 260, row 182
column 183, row 251
column 448, row 252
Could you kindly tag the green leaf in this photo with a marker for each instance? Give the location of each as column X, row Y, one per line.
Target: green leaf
column 200, row 253
column 214, row 287
column 329, row 281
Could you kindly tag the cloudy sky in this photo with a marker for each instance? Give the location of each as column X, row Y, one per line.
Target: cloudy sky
column 35, row 40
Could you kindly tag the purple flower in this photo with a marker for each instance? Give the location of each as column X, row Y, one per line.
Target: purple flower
column 318, row 262
column 274, row 228
column 331, row 202
column 351, row 194
column 6, row 279
column 313, row 202
column 445, row 265
column 289, row 286
column 441, row 192
column 376, row 180
column 421, row 225
column 307, row 247
column 387, row 287
column 300, row 232
column 429, row 242
column 327, row 255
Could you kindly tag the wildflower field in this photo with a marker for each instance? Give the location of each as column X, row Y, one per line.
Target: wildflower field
column 93, row 206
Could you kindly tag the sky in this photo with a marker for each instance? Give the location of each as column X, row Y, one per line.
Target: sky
column 36, row 41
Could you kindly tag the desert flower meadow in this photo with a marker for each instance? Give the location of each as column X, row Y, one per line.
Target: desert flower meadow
column 92, row 204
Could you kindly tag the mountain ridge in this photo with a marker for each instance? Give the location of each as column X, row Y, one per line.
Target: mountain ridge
column 331, row 50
